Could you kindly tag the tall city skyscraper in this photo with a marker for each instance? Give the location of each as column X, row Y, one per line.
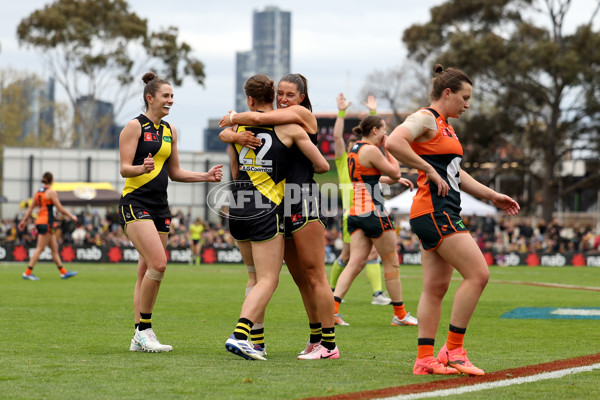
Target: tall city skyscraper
column 96, row 127
column 270, row 54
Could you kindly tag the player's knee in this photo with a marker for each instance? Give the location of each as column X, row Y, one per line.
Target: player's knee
column 159, row 264
column 390, row 259
column 436, row 289
column 270, row 282
column 357, row 262
column 391, row 273
column 155, row 275
column 483, row 277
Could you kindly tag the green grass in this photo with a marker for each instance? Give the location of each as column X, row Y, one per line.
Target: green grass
column 70, row 339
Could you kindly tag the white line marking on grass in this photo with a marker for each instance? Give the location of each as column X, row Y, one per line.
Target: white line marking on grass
column 544, row 284
column 497, row 384
column 575, row 311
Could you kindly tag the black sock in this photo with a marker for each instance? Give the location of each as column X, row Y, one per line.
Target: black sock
column 243, row 328
column 316, row 331
column 145, row 321
column 258, row 337
column 425, row 342
column 455, row 329
column 328, row 338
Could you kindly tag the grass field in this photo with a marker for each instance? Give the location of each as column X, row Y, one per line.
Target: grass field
column 70, row 339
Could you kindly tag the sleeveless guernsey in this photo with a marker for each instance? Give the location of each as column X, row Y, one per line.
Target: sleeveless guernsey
column 45, row 208
column 364, row 182
column 260, row 185
column 150, row 189
column 444, row 152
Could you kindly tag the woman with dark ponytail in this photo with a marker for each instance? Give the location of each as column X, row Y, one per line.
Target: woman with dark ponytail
column 304, row 227
column 46, row 199
column 427, row 142
column 368, row 222
column 149, row 157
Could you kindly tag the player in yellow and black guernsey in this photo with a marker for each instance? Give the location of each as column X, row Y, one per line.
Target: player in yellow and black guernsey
column 149, row 158
column 256, row 213
column 145, row 196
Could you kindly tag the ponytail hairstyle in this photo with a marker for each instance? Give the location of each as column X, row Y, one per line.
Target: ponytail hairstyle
column 302, row 85
column 47, row 178
column 366, row 125
column 152, row 82
column 261, row 88
column 451, row 78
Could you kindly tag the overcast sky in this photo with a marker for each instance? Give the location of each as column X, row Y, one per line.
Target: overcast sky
column 335, row 44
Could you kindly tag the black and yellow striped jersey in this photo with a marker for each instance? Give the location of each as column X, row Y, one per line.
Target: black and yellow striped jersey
column 151, row 188
column 260, row 184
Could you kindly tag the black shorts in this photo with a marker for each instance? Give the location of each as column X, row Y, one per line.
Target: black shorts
column 42, row 229
column 373, row 224
column 301, row 213
column 260, row 229
column 135, row 212
column 432, row 228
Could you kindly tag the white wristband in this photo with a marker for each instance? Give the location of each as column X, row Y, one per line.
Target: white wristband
column 231, row 114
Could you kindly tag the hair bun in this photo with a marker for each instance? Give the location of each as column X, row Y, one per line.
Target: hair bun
column 357, row 130
column 148, row 76
column 438, row 69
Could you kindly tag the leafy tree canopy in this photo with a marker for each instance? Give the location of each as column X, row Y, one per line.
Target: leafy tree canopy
column 536, row 87
column 99, row 49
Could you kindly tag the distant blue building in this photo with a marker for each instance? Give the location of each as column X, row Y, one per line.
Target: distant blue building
column 271, row 50
column 102, row 133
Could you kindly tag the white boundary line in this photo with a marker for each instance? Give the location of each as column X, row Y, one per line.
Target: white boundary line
column 496, row 384
column 546, row 284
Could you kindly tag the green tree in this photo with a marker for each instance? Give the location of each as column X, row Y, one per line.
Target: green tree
column 98, row 50
column 537, row 87
column 27, row 114
column 26, row 111
column 14, row 110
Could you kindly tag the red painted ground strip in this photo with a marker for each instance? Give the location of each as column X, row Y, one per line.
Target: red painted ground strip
column 467, row 380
